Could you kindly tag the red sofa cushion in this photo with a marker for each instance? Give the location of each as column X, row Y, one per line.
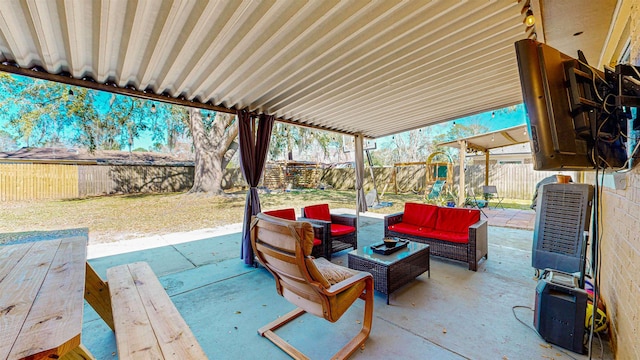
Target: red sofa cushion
column 456, row 220
column 287, row 214
column 456, row 237
column 318, row 212
column 409, row 229
column 423, row 215
column 339, row 229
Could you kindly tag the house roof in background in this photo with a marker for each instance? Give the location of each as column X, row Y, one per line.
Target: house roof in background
column 83, row 156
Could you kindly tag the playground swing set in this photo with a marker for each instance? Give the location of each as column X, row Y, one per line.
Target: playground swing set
column 438, row 175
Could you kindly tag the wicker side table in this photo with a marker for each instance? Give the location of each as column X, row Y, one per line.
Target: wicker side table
column 390, row 272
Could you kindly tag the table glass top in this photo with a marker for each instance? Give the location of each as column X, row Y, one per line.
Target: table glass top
column 367, row 253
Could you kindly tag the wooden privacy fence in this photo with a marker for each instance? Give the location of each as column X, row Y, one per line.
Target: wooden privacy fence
column 282, row 175
column 513, row 181
column 126, row 179
column 19, row 182
column 38, row 181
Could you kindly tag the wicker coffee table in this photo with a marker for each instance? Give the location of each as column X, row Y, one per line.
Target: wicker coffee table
column 390, row 272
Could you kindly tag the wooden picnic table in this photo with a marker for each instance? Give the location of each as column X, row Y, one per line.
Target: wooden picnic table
column 43, row 285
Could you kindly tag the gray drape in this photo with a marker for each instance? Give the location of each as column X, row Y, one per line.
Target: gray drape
column 254, row 146
column 360, row 199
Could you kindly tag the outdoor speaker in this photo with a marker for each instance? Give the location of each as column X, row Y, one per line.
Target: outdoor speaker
column 560, row 310
column 563, row 214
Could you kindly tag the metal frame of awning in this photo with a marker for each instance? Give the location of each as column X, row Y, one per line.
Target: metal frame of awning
column 484, row 143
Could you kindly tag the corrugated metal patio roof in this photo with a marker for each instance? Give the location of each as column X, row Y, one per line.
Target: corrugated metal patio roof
column 370, row 67
column 374, row 67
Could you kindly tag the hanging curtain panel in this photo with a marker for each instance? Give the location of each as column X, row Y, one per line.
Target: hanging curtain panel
column 254, row 146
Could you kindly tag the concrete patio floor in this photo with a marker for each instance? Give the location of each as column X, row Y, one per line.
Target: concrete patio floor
column 511, row 218
column 454, row 314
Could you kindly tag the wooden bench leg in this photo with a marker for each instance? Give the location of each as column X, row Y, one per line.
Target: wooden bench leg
column 96, row 293
column 79, row 353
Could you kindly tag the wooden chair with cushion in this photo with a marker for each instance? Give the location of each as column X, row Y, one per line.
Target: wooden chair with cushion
column 315, row 286
column 319, row 234
column 342, row 229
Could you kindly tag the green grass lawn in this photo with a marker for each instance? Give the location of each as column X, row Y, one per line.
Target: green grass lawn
column 112, row 218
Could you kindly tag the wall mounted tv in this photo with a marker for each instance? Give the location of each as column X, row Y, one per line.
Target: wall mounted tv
column 577, row 115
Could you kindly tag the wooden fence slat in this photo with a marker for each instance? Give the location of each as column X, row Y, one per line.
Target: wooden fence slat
column 20, row 182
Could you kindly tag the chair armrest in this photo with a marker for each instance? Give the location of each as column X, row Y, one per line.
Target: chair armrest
column 479, row 229
column 344, row 219
column 393, row 219
column 320, row 227
column 347, row 283
column 478, row 243
column 321, row 231
column 315, row 221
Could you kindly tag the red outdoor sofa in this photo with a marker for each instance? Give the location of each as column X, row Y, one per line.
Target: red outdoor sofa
column 453, row 233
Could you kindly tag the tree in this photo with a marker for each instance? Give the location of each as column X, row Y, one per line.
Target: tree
column 36, row 110
column 170, row 126
column 43, row 113
column 7, row 141
column 411, row 146
column 214, row 141
column 132, row 116
column 309, row 144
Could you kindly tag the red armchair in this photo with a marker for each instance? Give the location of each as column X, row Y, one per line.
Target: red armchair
column 340, row 231
column 290, row 214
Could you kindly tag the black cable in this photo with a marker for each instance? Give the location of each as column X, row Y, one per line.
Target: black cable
column 596, row 285
column 595, row 250
column 594, row 255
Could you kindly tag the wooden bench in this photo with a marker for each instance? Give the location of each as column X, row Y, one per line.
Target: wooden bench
column 147, row 323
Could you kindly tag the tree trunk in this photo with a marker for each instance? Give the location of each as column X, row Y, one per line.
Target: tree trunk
column 211, row 146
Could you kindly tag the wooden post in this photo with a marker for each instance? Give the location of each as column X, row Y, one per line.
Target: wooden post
column 461, row 190
column 395, row 180
column 486, row 168
column 96, row 293
column 427, row 176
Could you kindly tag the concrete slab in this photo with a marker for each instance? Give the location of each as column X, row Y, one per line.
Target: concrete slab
column 455, row 314
column 163, row 260
column 211, row 250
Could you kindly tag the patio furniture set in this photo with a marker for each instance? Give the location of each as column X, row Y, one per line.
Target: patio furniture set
column 136, row 307
column 44, row 319
column 332, row 232
column 286, row 247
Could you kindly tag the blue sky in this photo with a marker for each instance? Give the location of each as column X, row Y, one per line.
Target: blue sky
column 500, row 120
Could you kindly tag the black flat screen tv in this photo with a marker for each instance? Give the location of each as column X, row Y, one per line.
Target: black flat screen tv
column 564, row 99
